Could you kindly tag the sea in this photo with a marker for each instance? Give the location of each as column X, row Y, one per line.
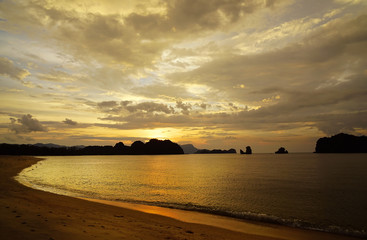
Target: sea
column 324, row 192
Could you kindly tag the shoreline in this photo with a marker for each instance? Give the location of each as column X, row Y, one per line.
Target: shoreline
column 27, row 213
column 233, row 224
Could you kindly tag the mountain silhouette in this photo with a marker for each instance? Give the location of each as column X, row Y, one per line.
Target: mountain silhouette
column 342, row 143
column 153, row 147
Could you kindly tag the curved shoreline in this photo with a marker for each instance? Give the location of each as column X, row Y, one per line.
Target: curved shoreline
column 28, row 213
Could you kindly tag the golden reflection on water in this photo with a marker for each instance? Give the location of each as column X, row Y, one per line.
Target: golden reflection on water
column 317, row 188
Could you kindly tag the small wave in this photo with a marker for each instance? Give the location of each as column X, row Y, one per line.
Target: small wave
column 258, row 217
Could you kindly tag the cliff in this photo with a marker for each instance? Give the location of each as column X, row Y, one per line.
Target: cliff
column 342, row 143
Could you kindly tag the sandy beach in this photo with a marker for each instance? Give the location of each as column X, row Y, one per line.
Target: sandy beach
column 27, row 213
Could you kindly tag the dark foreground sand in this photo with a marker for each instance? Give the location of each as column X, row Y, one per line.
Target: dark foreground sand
column 27, row 213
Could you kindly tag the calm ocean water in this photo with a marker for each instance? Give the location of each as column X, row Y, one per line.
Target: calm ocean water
column 327, row 192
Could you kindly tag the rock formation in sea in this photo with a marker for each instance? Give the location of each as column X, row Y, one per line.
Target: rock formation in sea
column 342, row 143
column 248, row 150
column 281, row 150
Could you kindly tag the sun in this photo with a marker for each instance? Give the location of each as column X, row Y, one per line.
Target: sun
column 160, row 133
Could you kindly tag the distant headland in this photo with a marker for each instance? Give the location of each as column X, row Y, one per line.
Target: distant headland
column 152, row 147
column 190, row 149
column 342, row 143
column 214, row 151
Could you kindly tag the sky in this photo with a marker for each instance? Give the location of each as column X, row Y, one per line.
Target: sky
column 216, row 74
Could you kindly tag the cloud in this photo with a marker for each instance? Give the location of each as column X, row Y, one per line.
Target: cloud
column 332, row 109
column 134, row 39
column 166, row 91
column 110, row 107
column 114, row 107
column 150, row 107
column 325, row 57
column 201, row 15
column 143, row 120
column 115, row 139
column 26, row 124
column 182, row 19
column 70, row 122
column 56, row 76
column 8, row 68
column 185, row 107
column 332, row 124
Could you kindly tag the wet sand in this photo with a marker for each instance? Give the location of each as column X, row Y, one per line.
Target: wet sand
column 26, row 213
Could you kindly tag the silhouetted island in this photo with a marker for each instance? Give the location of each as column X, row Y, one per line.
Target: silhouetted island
column 248, row 150
column 206, row 151
column 281, row 150
column 342, row 143
column 152, row 147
